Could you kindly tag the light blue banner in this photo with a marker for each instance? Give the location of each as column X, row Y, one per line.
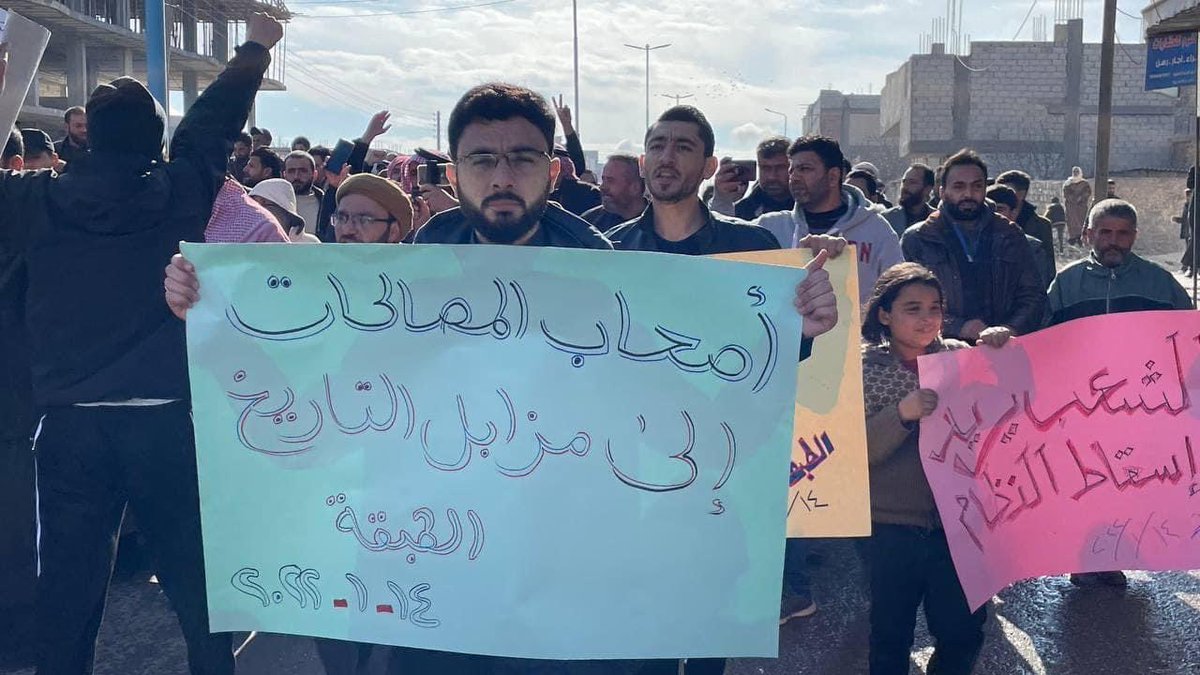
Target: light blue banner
column 542, row 453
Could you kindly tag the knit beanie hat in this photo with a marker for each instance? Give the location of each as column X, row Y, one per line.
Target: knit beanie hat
column 123, row 117
column 383, row 192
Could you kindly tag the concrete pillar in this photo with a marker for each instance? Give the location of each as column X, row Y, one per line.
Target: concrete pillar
column 960, row 111
column 121, row 13
column 188, row 19
column 844, row 126
column 34, row 95
column 1072, row 34
column 190, row 89
column 93, row 71
column 220, row 36
column 127, row 62
column 77, row 73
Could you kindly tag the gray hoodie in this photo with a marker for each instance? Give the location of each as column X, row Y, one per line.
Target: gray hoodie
column 874, row 239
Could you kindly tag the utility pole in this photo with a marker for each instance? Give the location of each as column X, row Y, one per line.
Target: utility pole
column 1104, row 121
column 156, row 53
column 439, row 130
column 675, row 97
column 648, row 49
column 575, row 32
column 785, row 119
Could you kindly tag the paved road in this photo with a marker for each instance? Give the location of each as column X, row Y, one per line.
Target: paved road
column 1042, row 627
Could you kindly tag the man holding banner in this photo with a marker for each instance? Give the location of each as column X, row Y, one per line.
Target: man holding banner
column 1112, row 279
column 501, row 138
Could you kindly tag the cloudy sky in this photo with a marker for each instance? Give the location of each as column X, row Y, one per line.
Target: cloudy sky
column 349, row 58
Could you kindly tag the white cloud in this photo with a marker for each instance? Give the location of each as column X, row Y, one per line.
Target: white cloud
column 735, row 60
column 749, row 134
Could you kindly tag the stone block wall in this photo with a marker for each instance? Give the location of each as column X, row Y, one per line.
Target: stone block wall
column 1013, row 87
column 932, row 97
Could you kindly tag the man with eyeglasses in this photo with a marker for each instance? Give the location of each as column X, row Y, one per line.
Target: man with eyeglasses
column 371, row 210
column 501, row 137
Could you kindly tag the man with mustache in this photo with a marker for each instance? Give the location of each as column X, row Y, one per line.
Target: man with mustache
column 916, row 187
column 987, row 271
column 1112, row 279
column 501, row 139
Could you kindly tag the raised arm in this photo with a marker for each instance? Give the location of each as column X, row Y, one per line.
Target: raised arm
column 211, row 125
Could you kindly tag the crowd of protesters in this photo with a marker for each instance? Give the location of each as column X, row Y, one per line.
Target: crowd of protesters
column 94, row 343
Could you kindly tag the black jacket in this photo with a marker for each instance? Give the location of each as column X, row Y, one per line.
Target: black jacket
column 324, row 228
column 758, row 202
column 16, row 391
column 721, row 234
column 1037, row 226
column 1013, row 296
column 67, row 151
column 575, row 151
column 575, row 196
column 557, row 228
column 604, row 220
column 95, row 241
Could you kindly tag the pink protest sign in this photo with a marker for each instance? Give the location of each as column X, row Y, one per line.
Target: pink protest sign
column 1075, row 449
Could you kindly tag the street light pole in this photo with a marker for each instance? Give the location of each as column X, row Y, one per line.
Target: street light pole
column 648, row 49
column 575, row 31
column 676, row 97
column 1104, row 119
column 785, row 119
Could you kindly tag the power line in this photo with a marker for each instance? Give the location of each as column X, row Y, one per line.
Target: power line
column 406, row 12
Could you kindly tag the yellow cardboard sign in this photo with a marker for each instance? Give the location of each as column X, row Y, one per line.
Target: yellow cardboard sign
column 829, row 494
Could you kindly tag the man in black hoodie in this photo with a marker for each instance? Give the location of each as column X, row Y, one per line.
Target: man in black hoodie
column 109, row 362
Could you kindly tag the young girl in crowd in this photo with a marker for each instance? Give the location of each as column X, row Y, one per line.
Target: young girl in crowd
column 907, row 556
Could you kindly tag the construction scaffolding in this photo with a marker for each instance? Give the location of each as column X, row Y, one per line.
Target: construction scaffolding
column 94, row 41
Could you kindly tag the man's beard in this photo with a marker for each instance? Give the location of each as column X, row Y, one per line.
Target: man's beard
column 511, row 229
column 1102, row 255
column 956, row 212
column 302, row 188
column 687, row 189
column 81, row 142
column 779, row 193
column 910, row 200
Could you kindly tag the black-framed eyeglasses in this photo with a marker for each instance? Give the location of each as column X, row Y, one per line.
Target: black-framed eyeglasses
column 342, row 219
column 521, row 161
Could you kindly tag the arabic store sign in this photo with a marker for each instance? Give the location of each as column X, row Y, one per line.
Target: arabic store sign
column 1171, row 61
column 458, row 447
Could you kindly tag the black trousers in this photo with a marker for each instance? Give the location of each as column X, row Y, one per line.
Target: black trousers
column 91, row 463
column 405, row 661
column 909, row 566
column 18, row 552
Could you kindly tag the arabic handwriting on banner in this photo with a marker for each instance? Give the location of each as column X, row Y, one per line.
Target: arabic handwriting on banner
column 828, row 496
column 1045, row 461
column 389, row 442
